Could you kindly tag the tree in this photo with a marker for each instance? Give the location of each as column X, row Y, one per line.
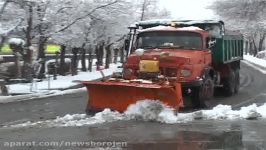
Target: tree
column 148, row 9
column 8, row 20
column 246, row 16
column 95, row 22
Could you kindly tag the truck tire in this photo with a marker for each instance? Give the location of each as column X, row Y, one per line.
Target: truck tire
column 229, row 85
column 237, row 80
column 203, row 93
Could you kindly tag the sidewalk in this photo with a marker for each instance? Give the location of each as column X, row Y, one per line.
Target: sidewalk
column 49, row 87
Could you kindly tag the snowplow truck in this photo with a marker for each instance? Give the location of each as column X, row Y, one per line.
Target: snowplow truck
column 179, row 62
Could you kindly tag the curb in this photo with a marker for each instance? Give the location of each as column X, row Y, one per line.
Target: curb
column 19, row 98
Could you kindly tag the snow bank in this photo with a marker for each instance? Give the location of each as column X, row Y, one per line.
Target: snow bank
column 75, row 120
column 62, row 82
column 256, row 61
column 261, row 54
column 155, row 111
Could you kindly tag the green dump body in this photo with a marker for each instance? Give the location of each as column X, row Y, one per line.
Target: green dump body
column 228, row 49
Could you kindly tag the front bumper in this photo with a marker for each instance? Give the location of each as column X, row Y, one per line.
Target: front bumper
column 186, row 84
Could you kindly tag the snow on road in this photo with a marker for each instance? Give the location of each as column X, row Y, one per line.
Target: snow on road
column 151, row 110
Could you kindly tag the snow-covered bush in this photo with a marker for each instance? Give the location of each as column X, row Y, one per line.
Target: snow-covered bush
column 261, row 55
column 16, row 41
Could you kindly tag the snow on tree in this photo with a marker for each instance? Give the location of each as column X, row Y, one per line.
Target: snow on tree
column 9, row 21
column 79, row 23
column 148, row 9
column 67, row 20
column 246, row 16
column 16, row 41
column 109, row 21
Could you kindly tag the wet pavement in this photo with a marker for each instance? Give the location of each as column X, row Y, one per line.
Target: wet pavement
column 197, row 135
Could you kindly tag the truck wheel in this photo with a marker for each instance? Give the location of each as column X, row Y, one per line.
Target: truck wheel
column 230, row 84
column 203, row 93
column 237, row 80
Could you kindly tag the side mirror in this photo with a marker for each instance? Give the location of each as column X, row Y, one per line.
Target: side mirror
column 211, row 43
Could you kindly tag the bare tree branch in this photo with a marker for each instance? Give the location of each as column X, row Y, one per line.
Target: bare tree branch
column 85, row 16
column 2, row 9
column 61, row 9
column 12, row 28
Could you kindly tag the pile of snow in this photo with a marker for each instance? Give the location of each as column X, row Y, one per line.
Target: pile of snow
column 151, row 110
column 75, row 120
column 261, row 55
column 157, row 111
column 158, row 28
column 170, row 28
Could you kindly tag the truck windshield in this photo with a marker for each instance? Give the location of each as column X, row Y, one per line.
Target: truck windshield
column 185, row 40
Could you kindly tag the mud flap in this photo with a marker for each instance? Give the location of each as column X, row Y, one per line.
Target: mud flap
column 118, row 96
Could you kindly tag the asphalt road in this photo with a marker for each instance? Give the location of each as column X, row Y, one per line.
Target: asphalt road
column 138, row 135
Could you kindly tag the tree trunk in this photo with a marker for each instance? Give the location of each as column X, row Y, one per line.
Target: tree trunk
column 144, row 4
column 56, row 65
column 251, row 50
column 108, row 56
column 255, row 47
column 83, row 59
column 17, row 65
column 261, row 42
column 74, row 70
column 61, row 69
column 28, row 37
column 99, row 50
column 116, row 50
column 101, row 53
column 41, row 56
column 90, row 59
column 27, row 64
column 3, row 38
column 122, row 54
column 246, row 47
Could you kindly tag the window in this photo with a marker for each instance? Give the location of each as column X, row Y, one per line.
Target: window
column 166, row 39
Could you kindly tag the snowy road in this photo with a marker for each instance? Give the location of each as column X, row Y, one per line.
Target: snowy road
column 197, row 134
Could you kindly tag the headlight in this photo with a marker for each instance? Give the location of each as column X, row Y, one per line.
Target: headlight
column 185, row 73
column 139, row 52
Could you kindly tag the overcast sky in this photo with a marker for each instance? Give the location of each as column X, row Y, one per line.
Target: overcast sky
column 189, row 9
